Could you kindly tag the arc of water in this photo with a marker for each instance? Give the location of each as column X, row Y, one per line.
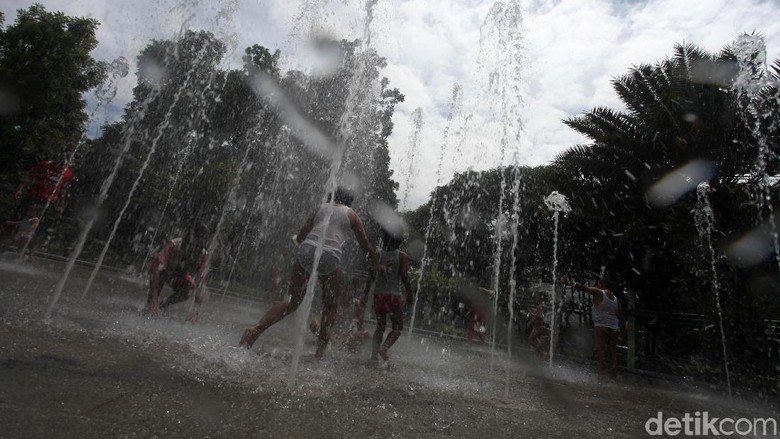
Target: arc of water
column 82, row 238
column 202, row 120
column 160, row 131
column 240, row 246
column 554, row 295
column 501, row 55
column 177, row 172
column 705, row 224
column 273, row 193
column 105, row 94
column 457, row 93
column 231, row 195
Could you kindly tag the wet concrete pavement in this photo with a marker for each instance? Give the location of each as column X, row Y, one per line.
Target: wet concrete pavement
column 99, row 369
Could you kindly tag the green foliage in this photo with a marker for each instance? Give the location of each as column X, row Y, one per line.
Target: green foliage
column 45, row 67
column 435, row 284
column 218, row 151
column 681, row 109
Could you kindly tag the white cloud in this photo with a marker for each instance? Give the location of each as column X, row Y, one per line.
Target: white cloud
column 573, row 48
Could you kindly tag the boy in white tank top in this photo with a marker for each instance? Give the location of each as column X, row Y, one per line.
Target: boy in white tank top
column 608, row 324
column 331, row 222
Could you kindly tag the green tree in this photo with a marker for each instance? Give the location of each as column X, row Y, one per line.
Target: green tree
column 45, row 67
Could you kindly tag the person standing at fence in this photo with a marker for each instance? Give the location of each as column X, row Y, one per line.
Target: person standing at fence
column 479, row 304
column 537, row 327
column 608, row 322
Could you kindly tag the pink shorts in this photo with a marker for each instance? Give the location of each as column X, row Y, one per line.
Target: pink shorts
column 386, row 303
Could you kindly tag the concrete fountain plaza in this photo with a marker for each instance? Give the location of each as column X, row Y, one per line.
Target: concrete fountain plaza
column 100, row 369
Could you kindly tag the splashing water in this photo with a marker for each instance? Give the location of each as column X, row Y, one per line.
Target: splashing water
column 557, row 203
column 705, row 224
column 106, row 91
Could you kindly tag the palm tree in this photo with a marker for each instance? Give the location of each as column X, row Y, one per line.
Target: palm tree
column 680, row 110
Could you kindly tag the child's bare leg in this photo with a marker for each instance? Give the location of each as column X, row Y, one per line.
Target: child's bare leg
column 279, row 310
column 381, row 322
column 397, row 320
column 330, row 292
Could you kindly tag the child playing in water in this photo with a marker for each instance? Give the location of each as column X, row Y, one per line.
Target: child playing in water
column 183, row 264
column 392, row 269
column 332, row 223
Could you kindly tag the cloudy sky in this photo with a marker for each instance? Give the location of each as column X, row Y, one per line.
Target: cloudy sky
column 569, row 51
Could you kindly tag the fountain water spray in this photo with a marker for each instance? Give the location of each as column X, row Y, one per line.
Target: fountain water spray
column 705, row 224
column 105, row 94
column 181, row 159
column 512, row 280
column 127, row 141
column 455, row 105
column 356, row 100
column 160, row 131
column 557, row 203
column 752, row 79
column 501, row 51
column 414, row 143
column 254, row 208
column 214, row 239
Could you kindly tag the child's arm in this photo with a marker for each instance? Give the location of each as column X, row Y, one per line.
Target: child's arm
column 367, row 288
column 307, row 226
column 592, row 290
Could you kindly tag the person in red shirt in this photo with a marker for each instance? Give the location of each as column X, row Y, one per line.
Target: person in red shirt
column 46, row 183
column 183, row 264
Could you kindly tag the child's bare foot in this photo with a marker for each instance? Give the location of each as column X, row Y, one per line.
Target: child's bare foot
column 152, row 310
column 193, row 317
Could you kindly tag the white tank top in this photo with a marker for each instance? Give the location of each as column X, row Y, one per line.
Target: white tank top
column 605, row 313
column 338, row 227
